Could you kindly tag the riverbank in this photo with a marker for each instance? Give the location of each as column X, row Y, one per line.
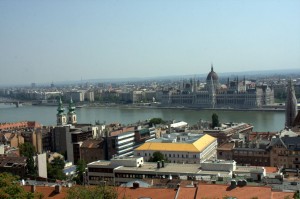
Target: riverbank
column 136, row 106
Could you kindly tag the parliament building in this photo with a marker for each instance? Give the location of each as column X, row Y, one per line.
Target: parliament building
column 234, row 94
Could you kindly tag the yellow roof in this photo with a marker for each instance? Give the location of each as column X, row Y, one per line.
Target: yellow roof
column 197, row 146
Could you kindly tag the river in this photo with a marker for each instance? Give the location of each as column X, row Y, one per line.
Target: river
column 262, row 120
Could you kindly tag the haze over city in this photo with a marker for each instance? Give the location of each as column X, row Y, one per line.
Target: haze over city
column 68, row 40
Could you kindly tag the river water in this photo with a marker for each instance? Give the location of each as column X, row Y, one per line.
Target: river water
column 262, row 120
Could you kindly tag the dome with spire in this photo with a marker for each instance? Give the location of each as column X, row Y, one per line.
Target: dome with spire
column 60, row 109
column 212, row 75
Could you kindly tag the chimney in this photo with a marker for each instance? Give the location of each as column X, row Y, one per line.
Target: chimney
column 158, row 164
column 136, row 185
column 33, row 188
column 57, row 189
column 162, row 163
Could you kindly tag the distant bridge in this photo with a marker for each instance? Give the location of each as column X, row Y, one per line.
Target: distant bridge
column 11, row 101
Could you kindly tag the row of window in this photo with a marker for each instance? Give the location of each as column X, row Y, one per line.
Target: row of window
column 171, row 155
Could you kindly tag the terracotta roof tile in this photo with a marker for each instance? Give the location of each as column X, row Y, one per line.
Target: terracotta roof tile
column 219, row 191
column 48, row 192
column 281, row 195
column 146, row 193
column 271, row 169
column 186, row 192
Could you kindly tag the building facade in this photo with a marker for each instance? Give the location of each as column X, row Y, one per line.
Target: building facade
column 180, row 147
column 236, row 94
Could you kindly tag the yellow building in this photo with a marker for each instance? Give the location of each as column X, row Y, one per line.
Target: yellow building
column 180, row 147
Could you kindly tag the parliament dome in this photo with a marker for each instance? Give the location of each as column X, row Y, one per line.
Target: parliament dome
column 212, row 75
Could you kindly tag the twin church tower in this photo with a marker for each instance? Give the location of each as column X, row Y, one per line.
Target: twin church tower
column 69, row 118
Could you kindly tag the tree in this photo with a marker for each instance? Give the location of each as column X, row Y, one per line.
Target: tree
column 10, row 188
column 215, row 120
column 55, row 169
column 156, row 121
column 28, row 150
column 98, row 192
column 80, row 170
column 157, row 156
column 297, row 195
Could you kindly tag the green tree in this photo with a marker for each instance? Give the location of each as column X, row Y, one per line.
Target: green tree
column 55, row 169
column 215, row 120
column 80, row 170
column 156, row 121
column 10, row 187
column 98, row 192
column 28, row 150
column 297, row 195
column 157, row 156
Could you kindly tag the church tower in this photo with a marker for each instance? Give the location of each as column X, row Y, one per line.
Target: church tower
column 72, row 118
column 290, row 105
column 61, row 116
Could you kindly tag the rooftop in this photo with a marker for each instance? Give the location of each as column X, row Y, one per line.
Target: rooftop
column 194, row 144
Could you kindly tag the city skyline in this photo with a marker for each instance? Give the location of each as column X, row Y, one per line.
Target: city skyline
column 69, row 40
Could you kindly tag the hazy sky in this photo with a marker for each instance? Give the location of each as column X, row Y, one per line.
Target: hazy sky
column 45, row 41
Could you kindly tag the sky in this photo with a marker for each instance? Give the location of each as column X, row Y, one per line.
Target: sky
column 62, row 40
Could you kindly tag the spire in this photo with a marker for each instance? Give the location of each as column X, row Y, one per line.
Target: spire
column 228, row 83
column 71, row 106
column 212, row 67
column 290, row 105
column 60, row 109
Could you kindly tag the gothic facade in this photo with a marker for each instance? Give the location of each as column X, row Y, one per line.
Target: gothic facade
column 236, row 94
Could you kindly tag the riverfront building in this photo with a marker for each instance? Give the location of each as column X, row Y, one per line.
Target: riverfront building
column 235, row 94
column 180, row 147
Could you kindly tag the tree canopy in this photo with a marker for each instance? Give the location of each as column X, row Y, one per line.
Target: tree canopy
column 215, row 120
column 55, row 169
column 10, row 187
column 98, row 192
column 28, row 150
column 157, row 156
column 80, row 169
column 156, row 121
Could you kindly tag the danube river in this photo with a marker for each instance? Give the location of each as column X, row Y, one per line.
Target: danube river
column 262, row 120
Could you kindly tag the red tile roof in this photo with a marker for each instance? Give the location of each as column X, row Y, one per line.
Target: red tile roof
column 271, row 169
column 281, row 195
column 146, row 193
column 48, row 192
column 219, row 191
column 186, row 192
